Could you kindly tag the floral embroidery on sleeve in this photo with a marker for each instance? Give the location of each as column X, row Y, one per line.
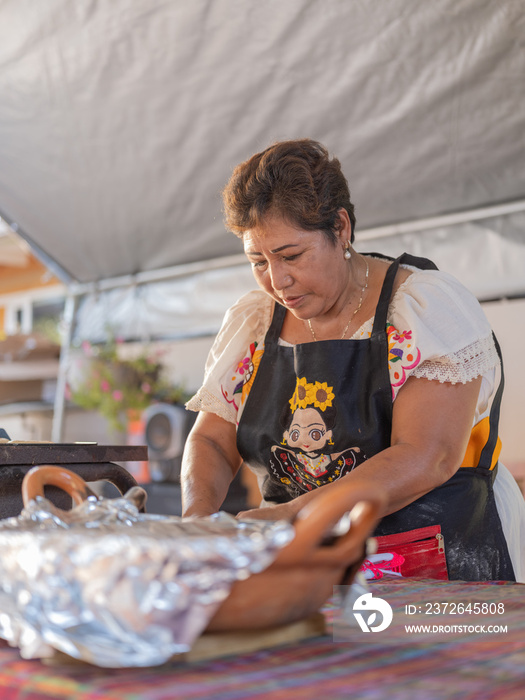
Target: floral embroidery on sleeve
column 241, row 380
column 403, row 356
column 251, row 370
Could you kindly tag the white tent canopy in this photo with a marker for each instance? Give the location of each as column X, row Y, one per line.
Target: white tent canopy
column 120, row 122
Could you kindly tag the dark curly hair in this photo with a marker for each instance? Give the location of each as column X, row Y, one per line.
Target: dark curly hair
column 296, row 180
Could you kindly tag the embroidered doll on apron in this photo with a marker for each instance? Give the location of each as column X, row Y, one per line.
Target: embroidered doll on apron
column 304, row 459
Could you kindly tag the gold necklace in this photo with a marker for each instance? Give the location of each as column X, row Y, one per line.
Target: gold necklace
column 363, row 290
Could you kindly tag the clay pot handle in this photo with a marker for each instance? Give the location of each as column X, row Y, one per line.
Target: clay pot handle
column 364, row 500
column 47, row 475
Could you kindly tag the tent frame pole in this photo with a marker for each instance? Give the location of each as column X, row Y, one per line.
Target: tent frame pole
column 460, row 217
column 70, row 313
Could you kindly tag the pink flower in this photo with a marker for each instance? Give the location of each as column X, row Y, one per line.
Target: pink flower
column 400, row 337
column 146, row 388
column 243, row 365
column 86, row 347
column 118, row 395
column 104, row 385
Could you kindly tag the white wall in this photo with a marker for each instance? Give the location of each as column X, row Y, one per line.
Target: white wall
column 185, row 361
column 508, row 321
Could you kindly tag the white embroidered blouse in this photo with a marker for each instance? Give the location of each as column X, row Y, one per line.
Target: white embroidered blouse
column 436, row 330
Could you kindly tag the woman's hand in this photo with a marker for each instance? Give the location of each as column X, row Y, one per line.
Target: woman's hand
column 282, row 511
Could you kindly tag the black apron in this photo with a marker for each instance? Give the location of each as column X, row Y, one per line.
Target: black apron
column 318, row 410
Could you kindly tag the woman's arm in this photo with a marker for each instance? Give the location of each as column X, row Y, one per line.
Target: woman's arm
column 431, row 427
column 209, row 464
column 430, row 431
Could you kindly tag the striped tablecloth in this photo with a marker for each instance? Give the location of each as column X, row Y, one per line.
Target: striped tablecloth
column 473, row 667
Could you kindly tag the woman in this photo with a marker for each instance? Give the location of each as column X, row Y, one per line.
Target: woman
column 401, row 352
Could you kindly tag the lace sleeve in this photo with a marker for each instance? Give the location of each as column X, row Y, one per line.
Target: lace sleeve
column 477, row 359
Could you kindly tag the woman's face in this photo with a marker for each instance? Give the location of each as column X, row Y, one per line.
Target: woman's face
column 302, row 270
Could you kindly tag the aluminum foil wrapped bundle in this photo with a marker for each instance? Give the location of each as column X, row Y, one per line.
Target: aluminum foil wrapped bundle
column 114, row 587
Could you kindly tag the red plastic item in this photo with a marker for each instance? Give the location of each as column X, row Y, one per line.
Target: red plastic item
column 423, row 550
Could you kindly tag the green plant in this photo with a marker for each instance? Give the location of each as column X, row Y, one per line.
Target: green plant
column 114, row 386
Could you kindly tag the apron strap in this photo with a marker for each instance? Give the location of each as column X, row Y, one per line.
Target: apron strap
column 485, row 460
column 388, row 285
column 273, row 333
column 272, row 336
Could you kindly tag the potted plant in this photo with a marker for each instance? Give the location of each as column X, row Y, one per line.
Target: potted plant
column 121, row 388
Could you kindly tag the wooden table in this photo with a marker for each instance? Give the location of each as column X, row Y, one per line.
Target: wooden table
column 90, row 461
